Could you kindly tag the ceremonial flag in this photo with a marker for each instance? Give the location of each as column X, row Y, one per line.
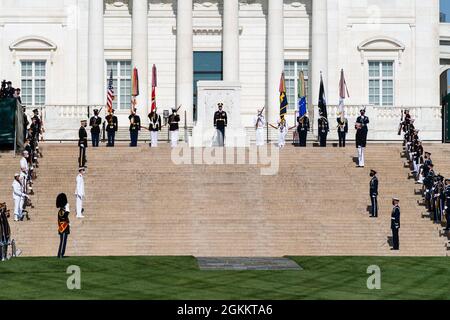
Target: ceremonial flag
column 283, row 98
column 135, row 83
column 154, row 85
column 302, row 107
column 342, row 93
column 110, row 94
column 322, row 98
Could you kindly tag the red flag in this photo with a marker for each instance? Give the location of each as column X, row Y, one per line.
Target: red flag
column 135, row 83
column 154, row 85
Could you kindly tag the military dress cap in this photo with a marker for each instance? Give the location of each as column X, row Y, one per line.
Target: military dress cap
column 373, row 171
column 81, row 169
column 427, row 153
column 16, row 175
column 35, row 110
column 220, row 104
column 174, row 109
column 83, row 121
column 95, row 110
column 395, row 199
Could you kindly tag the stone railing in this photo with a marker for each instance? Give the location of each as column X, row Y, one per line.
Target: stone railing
column 61, row 122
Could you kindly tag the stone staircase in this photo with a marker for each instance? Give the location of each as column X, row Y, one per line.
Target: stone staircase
column 140, row 203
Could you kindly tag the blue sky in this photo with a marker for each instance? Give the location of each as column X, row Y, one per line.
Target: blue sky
column 445, row 7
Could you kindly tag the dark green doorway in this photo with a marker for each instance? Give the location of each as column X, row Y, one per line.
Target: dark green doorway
column 208, row 66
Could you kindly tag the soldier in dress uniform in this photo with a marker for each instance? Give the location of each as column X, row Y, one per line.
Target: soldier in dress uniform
column 302, row 128
column 395, row 223
column 323, row 128
column 174, row 128
column 428, row 183
column 111, row 128
column 259, row 121
column 95, row 122
column 26, row 122
column 63, row 223
column 361, row 136
column 373, row 190
column 18, row 197
column 447, row 203
column 283, row 129
column 342, row 129
column 37, row 130
column 135, row 127
column 82, row 143
column 439, row 199
column 154, row 127
column 5, row 232
column 220, row 123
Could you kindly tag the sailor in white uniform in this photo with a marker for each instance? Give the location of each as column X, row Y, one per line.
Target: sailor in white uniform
column 259, row 122
column 18, row 197
column 283, row 128
column 79, row 192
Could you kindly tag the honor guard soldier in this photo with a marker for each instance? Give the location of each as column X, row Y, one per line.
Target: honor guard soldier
column 38, row 124
column 18, row 197
column 395, row 224
column 111, row 128
column 373, row 190
column 82, row 143
column 361, row 136
column 5, row 232
column 154, row 127
column 447, row 203
column 63, row 223
column 79, row 192
column 342, row 129
column 95, row 122
column 174, row 128
column 323, row 128
column 220, row 123
column 26, row 123
column 283, row 129
column 259, row 122
column 302, row 128
column 135, row 127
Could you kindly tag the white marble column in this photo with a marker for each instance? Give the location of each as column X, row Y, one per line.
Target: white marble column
column 140, row 54
column 275, row 57
column 185, row 59
column 231, row 40
column 319, row 55
column 96, row 60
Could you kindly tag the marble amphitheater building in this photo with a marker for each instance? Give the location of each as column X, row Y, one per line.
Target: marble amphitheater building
column 395, row 54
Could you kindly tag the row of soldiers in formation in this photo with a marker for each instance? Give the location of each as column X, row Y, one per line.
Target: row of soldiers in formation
column 220, row 122
column 435, row 188
column 22, row 185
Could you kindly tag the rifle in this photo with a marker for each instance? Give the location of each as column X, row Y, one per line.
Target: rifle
column 259, row 119
column 401, row 124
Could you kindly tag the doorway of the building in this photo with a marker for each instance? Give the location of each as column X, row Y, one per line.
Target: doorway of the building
column 208, row 65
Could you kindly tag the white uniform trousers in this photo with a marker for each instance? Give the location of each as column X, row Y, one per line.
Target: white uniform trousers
column 18, row 203
column 154, row 136
column 260, row 137
column 174, row 136
column 282, row 138
column 79, row 206
column 361, row 156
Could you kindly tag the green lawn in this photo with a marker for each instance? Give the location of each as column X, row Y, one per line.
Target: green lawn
column 179, row 278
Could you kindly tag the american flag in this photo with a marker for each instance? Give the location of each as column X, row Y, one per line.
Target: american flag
column 110, row 94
